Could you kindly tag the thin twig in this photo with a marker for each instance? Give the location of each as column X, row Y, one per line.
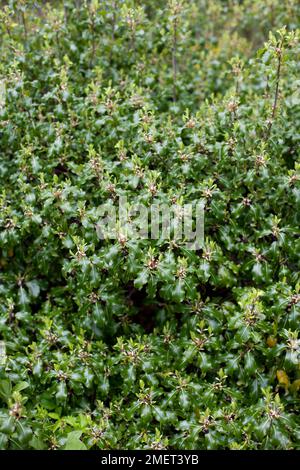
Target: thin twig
column 174, row 58
column 276, row 94
column 113, row 24
column 65, row 14
column 8, row 31
column 93, row 40
column 24, row 23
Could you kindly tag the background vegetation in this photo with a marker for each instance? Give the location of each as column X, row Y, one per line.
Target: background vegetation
column 144, row 344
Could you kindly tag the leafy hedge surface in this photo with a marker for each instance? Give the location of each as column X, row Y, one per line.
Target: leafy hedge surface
column 155, row 102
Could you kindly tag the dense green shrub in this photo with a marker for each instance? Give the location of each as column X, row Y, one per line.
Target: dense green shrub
column 143, row 343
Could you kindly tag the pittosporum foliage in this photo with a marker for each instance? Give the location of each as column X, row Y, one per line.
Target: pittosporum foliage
column 144, row 344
